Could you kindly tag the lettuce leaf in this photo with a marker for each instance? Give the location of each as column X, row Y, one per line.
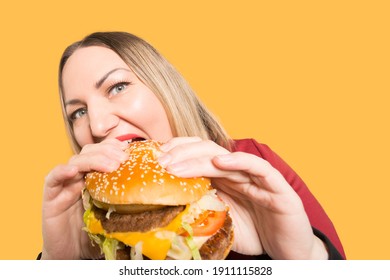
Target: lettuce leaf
column 109, row 248
column 190, row 242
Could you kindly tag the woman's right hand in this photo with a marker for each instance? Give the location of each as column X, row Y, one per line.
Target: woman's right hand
column 62, row 210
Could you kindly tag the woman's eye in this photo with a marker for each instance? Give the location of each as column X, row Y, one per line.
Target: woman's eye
column 118, row 88
column 78, row 114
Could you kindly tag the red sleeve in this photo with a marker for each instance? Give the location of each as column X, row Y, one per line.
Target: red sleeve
column 317, row 216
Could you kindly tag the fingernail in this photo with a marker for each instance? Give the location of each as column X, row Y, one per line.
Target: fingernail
column 178, row 168
column 124, row 156
column 124, row 145
column 164, row 147
column 164, row 159
column 111, row 165
column 71, row 168
column 225, row 158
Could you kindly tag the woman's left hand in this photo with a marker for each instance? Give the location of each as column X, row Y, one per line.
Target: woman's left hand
column 267, row 214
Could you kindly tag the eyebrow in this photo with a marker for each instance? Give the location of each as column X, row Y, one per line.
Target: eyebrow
column 101, row 81
column 98, row 84
column 73, row 102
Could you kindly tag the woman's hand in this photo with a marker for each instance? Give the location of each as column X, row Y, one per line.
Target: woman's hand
column 62, row 211
column 267, row 213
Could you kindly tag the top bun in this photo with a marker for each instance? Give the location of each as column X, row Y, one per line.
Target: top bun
column 141, row 180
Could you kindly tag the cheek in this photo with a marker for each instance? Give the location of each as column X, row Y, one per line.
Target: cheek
column 148, row 113
column 145, row 108
column 82, row 135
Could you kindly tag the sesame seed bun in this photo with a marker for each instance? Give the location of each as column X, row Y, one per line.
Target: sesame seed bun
column 143, row 183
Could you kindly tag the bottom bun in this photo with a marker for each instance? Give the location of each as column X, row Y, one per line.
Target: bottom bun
column 217, row 247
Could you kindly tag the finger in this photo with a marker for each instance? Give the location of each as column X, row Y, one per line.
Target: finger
column 100, row 157
column 260, row 170
column 114, row 148
column 95, row 162
column 204, row 150
column 63, row 179
column 236, row 183
column 244, row 162
column 176, row 141
column 113, row 142
column 204, row 167
column 60, row 174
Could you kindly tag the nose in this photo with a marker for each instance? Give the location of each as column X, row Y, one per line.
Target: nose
column 102, row 120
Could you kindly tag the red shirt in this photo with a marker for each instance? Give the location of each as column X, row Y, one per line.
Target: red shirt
column 317, row 216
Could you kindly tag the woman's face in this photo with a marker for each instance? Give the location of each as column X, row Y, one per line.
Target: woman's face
column 105, row 99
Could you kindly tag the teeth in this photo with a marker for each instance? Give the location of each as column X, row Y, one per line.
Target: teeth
column 134, row 140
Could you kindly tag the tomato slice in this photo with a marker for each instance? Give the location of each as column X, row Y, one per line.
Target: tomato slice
column 208, row 223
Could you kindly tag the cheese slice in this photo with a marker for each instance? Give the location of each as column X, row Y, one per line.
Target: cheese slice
column 155, row 246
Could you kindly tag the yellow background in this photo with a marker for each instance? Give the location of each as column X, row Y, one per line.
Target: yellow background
column 309, row 78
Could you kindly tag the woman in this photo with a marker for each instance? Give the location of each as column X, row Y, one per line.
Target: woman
column 114, row 85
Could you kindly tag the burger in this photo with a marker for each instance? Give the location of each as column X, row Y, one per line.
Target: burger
column 140, row 211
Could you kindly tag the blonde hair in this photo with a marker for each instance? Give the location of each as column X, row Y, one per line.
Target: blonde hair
column 186, row 113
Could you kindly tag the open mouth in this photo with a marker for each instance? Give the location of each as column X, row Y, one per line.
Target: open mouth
column 136, row 139
column 129, row 138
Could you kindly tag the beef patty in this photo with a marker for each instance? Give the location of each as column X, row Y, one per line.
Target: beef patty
column 139, row 222
column 215, row 246
column 213, row 249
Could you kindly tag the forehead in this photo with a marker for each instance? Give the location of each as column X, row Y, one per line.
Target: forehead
column 90, row 64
